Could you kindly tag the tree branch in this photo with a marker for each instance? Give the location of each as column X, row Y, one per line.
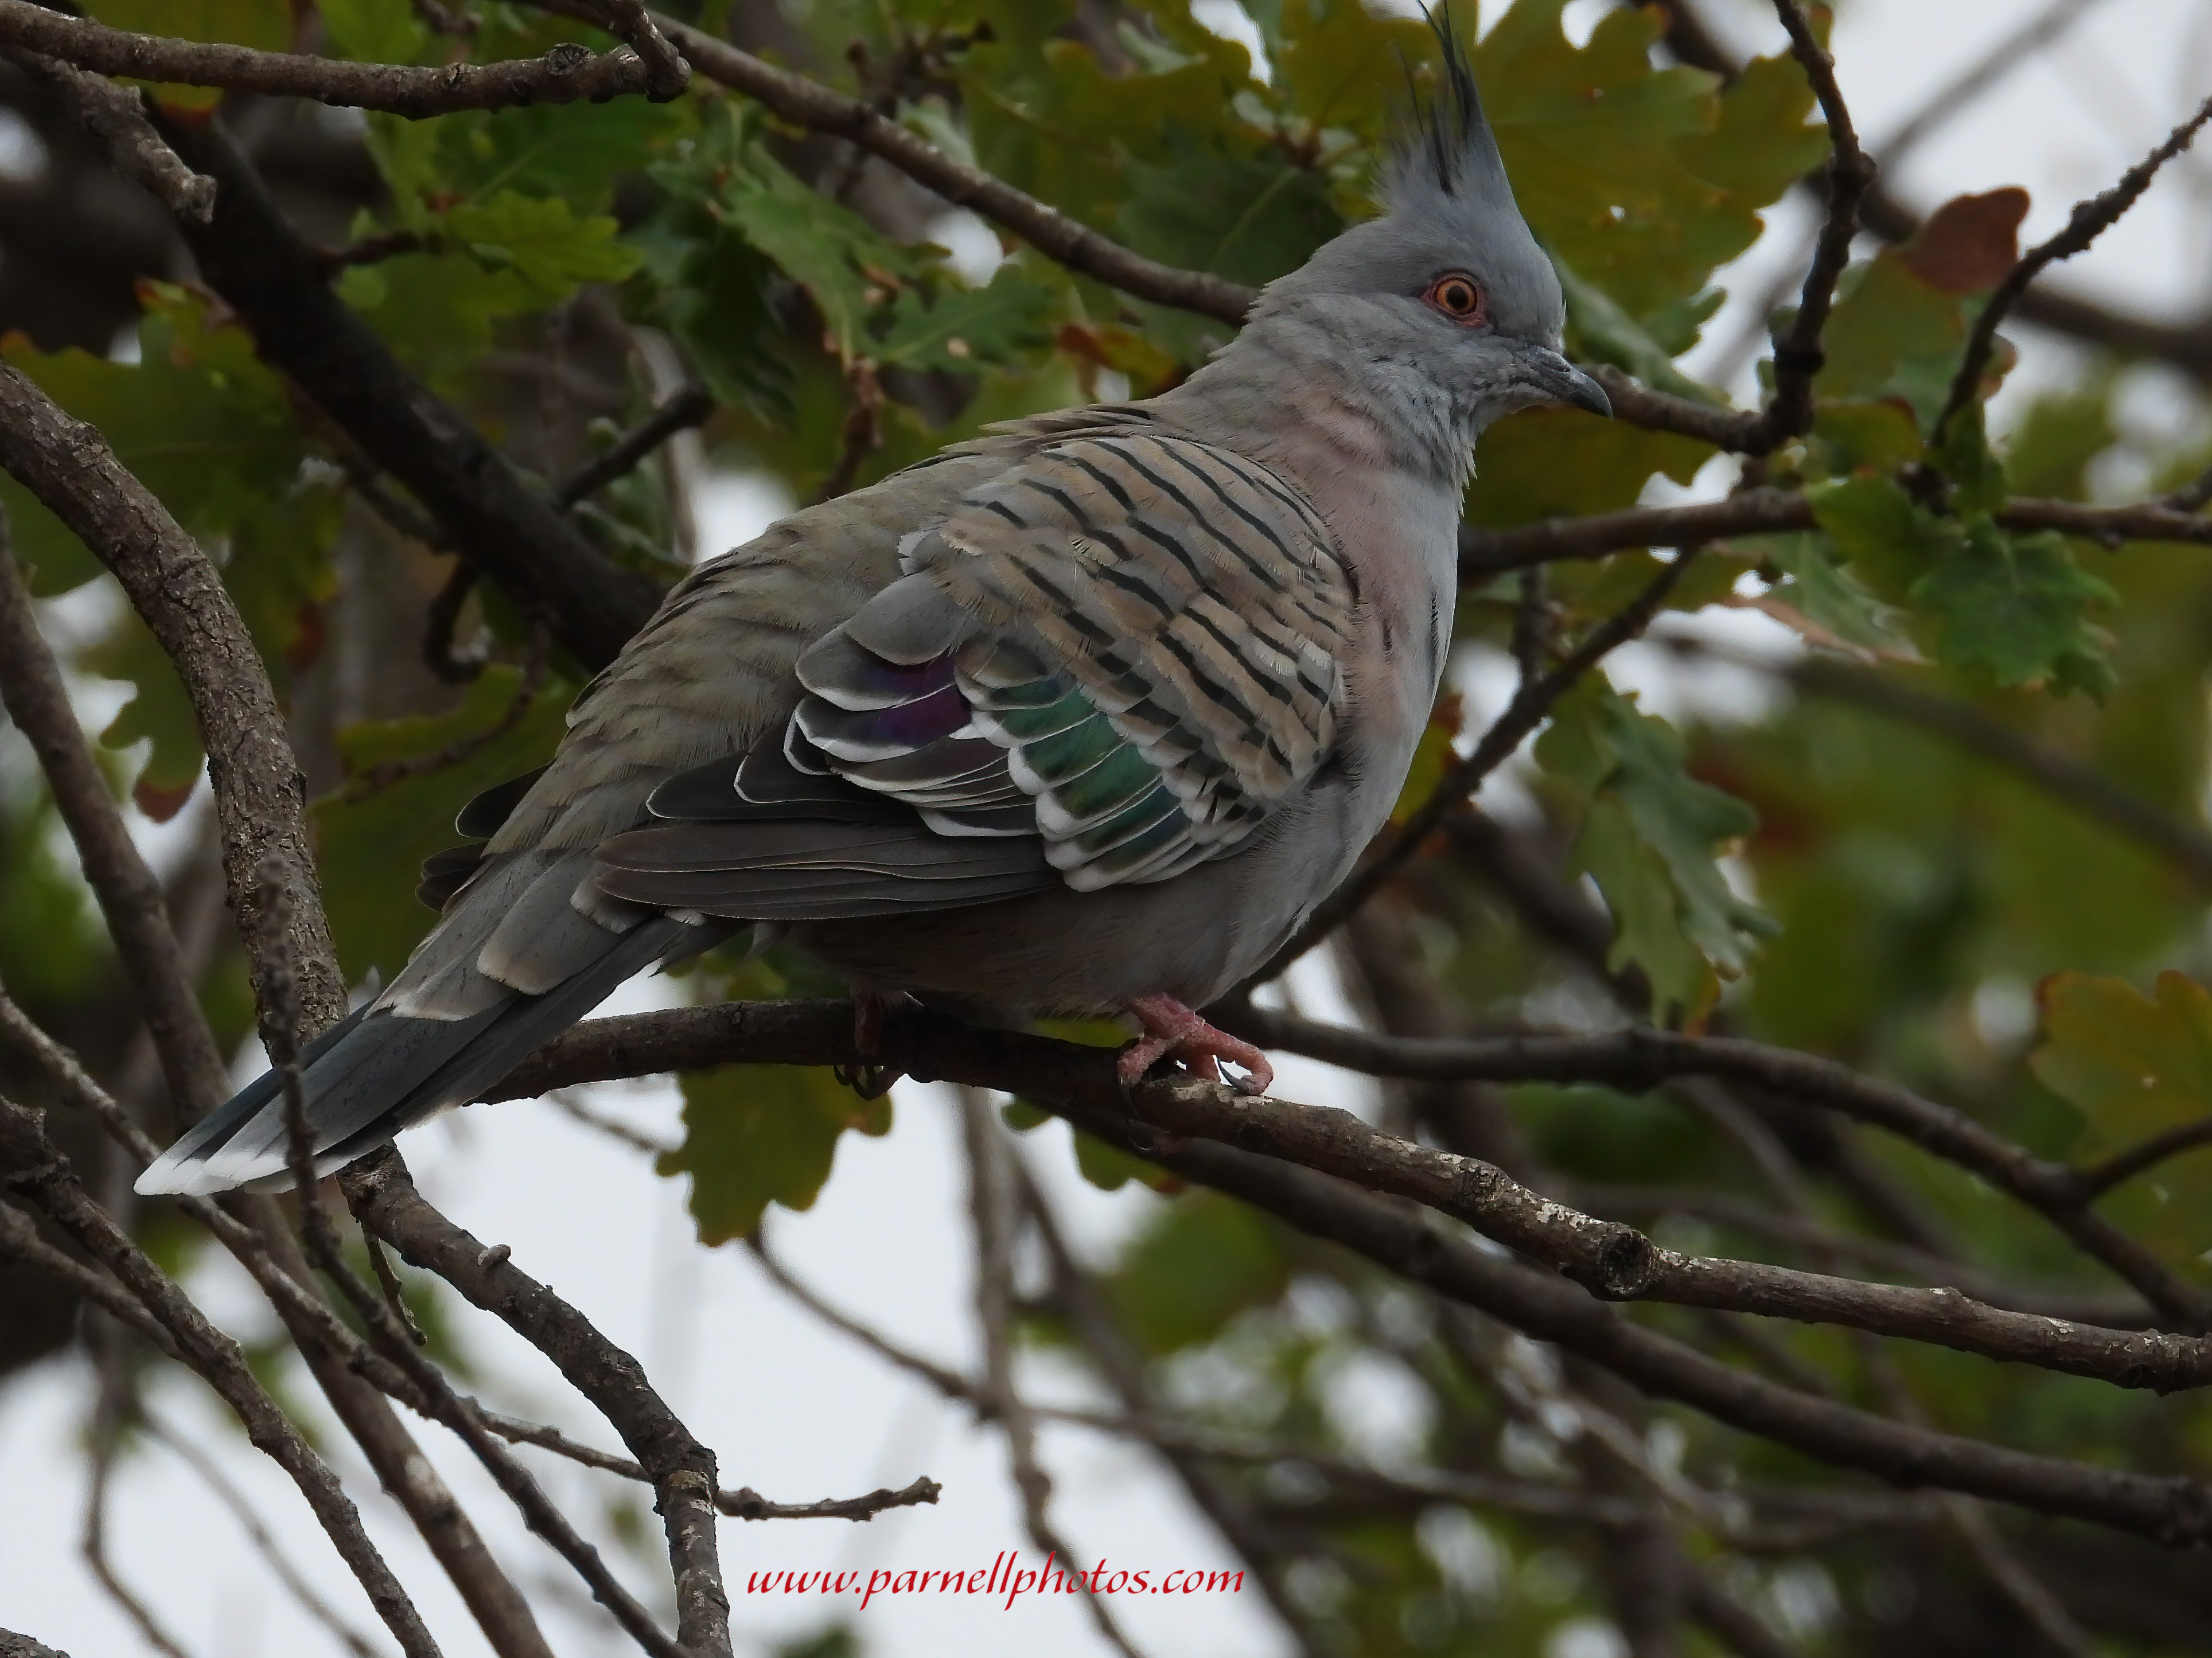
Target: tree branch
column 2089, row 220
column 2089, row 792
column 1767, row 511
column 508, row 529
column 34, row 1168
column 808, row 104
column 176, row 590
column 682, row 412
column 566, row 73
column 386, row 1201
column 117, row 117
column 1611, row 1260
column 1798, row 353
column 130, row 896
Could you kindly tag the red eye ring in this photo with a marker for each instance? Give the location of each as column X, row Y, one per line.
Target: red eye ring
column 1457, row 295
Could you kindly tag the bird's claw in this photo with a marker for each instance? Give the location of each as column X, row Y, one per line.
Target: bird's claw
column 1172, row 1031
column 869, row 1080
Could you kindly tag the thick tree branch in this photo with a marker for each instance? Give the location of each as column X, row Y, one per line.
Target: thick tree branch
column 508, row 529
column 1639, row 1057
column 1609, row 1260
column 176, row 590
column 563, row 75
column 1485, row 553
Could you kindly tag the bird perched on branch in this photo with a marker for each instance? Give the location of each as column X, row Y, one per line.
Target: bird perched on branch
column 1085, row 715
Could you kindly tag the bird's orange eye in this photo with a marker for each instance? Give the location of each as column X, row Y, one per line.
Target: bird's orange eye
column 1459, row 296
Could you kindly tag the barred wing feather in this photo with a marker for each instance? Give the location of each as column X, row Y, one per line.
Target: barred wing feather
column 1107, row 666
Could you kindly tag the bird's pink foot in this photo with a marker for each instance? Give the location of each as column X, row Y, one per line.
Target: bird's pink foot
column 1173, row 1031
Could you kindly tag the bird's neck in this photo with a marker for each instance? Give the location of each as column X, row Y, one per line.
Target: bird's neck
column 1292, row 387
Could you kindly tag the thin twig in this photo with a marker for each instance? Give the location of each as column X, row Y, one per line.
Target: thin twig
column 535, row 667
column 2089, row 220
column 565, row 74
column 2066, row 780
column 38, row 1171
column 613, row 1127
column 2020, row 1586
column 1799, row 355
column 395, row 1297
column 687, row 409
column 113, row 1405
column 281, row 1029
column 2192, row 496
column 744, row 1503
column 2099, row 1178
column 373, row 250
column 993, row 1217
column 130, row 899
column 440, row 620
column 1052, row 233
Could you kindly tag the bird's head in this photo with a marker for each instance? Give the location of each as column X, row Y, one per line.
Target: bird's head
column 1456, row 309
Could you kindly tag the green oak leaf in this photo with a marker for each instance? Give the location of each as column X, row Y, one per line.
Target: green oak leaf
column 2018, row 605
column 968, row 327
column 758, row 1134
column 1826, row 593
column 551, row 249
column 1650, row 838
column 374, row 31
column 2133, row 1065
column 1203, row 1260
column 1887, row 539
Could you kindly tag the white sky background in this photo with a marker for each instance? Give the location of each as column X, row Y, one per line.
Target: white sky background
column 799, row 1411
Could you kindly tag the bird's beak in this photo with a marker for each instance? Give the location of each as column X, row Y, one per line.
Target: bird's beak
column 1569, row 384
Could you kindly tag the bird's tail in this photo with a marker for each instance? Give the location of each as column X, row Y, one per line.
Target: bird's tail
column 381, row 1071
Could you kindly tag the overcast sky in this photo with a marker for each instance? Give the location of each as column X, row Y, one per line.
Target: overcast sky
column 799, row 1411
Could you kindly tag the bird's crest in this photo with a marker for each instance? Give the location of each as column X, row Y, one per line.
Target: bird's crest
column 1447, row 149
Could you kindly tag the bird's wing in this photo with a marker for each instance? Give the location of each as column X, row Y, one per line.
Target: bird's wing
column 1106, row 665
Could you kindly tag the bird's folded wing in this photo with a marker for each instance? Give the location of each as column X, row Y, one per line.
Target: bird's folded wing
column 1107, row 666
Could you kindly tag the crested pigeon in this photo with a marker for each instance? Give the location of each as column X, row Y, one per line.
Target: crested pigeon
column 1085, row 715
